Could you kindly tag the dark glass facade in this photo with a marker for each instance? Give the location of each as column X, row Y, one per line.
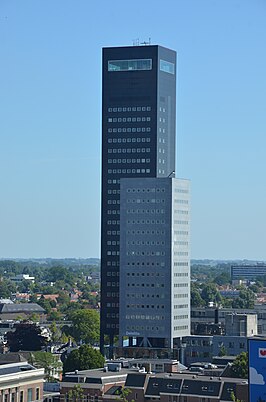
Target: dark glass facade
column 138, row 140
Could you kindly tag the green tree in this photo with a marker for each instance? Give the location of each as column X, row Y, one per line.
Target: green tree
column 246, row 299
column 83, row 358
column 49, row 362
column 25, row 337
column 222, row 279
column 76, row 394
column 210, row 293
column 196, row 299
column 6, row 288
column 222, row 351
column 44, row 303
column 86, row 326
column 124, row 394
column 54, row 316
column 240, row 366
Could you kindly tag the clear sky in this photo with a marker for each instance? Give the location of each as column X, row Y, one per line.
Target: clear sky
column 50, row 119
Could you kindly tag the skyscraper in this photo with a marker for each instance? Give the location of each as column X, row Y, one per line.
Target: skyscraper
column 138, row 142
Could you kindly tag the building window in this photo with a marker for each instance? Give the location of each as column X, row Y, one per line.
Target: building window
column 21, row 397
column 29, row 396
column 167, row 67
column 130, row 65
column 37, row 394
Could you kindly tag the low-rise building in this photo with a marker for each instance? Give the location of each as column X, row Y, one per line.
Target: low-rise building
column 103, row 385
column 21, row 382
column 20, row 311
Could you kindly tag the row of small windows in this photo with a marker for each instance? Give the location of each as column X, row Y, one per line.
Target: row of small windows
column 113, row 212
column 181, row 285
column 113, row 222
column 181, row 274
column 181, row 190
column 113, row 191
column 147, row 243
column 134, row 306
column 181, row 295
column 135, row 171
column 181, row 201
column 143, row 295
column 143, row 160
column 128, row 150
column 178, row 306
column 145, row 274
column 181, row 264
column 146, row 222
column 113, row 273
column 162, row 264
column 113, row 202
column 180, row 317
column 149, row 317
column 112, row 315
column 180, row 327
column 109, row 252
column 144, row 328
column 127, row 119
column 152, row 285
column 146, row 232
column 112, row 294
column 112, row 305
column 178, row 222
column 129, row 109
column 181, row 212
column 148, row 253
column 181, row 232
column 145, row 211
column 120, row 140
column 112, row 325
column 181, row 243
column 114, row 284
column 143, row 200
column 113, row 264
column 181, row 253
column 113, row 243
column 145, row 190
column 130, row 130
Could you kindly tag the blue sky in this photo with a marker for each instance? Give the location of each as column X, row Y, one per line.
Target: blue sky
column 50, row 119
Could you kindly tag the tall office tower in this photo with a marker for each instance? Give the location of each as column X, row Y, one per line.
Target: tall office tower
column 138, row 141
column 154, row 262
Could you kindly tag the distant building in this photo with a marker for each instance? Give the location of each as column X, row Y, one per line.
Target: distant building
column 20, row 310
column 201, row 316
column 22, row 277
column 21, row 382
column 241, row 324
column 247, row 272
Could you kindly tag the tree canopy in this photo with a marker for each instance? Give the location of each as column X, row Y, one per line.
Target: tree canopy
column 83, row 358
column 48, row 361
column 240, row 366
column 25, row 337
column 86, row 325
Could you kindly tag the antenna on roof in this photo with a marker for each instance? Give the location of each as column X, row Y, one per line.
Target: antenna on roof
column 136, row 42
column 145, row 43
